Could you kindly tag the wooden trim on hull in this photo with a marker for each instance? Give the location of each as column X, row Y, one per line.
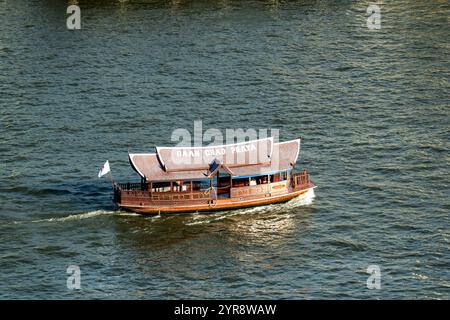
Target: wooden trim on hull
column 220, row 204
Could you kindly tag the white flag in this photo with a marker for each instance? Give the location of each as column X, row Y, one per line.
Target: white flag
column 104, row 170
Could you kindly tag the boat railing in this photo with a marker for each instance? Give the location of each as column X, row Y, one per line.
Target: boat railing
column 180, row 196
column 141, row 192
column 132, row 186
column 301, row 180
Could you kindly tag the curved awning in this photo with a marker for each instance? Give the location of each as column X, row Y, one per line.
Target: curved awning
column 161, row 166
column 199, row 158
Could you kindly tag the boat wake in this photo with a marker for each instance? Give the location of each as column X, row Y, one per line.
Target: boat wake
column 302, row 200
column 305, row 199
column 79, row 216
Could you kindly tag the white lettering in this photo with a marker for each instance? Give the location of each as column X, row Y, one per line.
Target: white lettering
column 74, row 280
column 73, row 22
column 186, row 310
column 374, row 20
column 374, row 280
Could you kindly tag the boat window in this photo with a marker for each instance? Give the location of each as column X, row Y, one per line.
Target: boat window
column 200, row 185
column 261, row 180
column 242, row 182
column 283, row 176
column 161, row 186
column 181, row 186
column 223, row 181
column 275, row 177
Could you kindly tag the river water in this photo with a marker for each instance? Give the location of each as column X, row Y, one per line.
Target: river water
column 372, row 107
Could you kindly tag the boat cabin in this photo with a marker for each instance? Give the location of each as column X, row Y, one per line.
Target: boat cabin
column 186, row 179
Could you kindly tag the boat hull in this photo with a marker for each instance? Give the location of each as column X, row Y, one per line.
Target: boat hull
column 214, row 205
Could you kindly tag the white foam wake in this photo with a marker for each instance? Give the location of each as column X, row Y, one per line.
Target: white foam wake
column 79, row 216
column 302, row 200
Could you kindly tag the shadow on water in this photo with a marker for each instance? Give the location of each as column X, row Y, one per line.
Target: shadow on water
column 270, row 225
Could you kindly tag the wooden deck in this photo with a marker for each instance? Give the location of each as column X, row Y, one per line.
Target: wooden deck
column 211, row 205
column 139, row 197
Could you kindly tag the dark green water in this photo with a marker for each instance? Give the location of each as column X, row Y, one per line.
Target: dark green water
column 372, row 106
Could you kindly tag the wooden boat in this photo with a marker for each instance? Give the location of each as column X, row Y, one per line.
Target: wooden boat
column 191, row 179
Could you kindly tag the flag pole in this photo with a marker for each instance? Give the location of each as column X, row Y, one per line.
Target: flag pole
column 111, row 178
